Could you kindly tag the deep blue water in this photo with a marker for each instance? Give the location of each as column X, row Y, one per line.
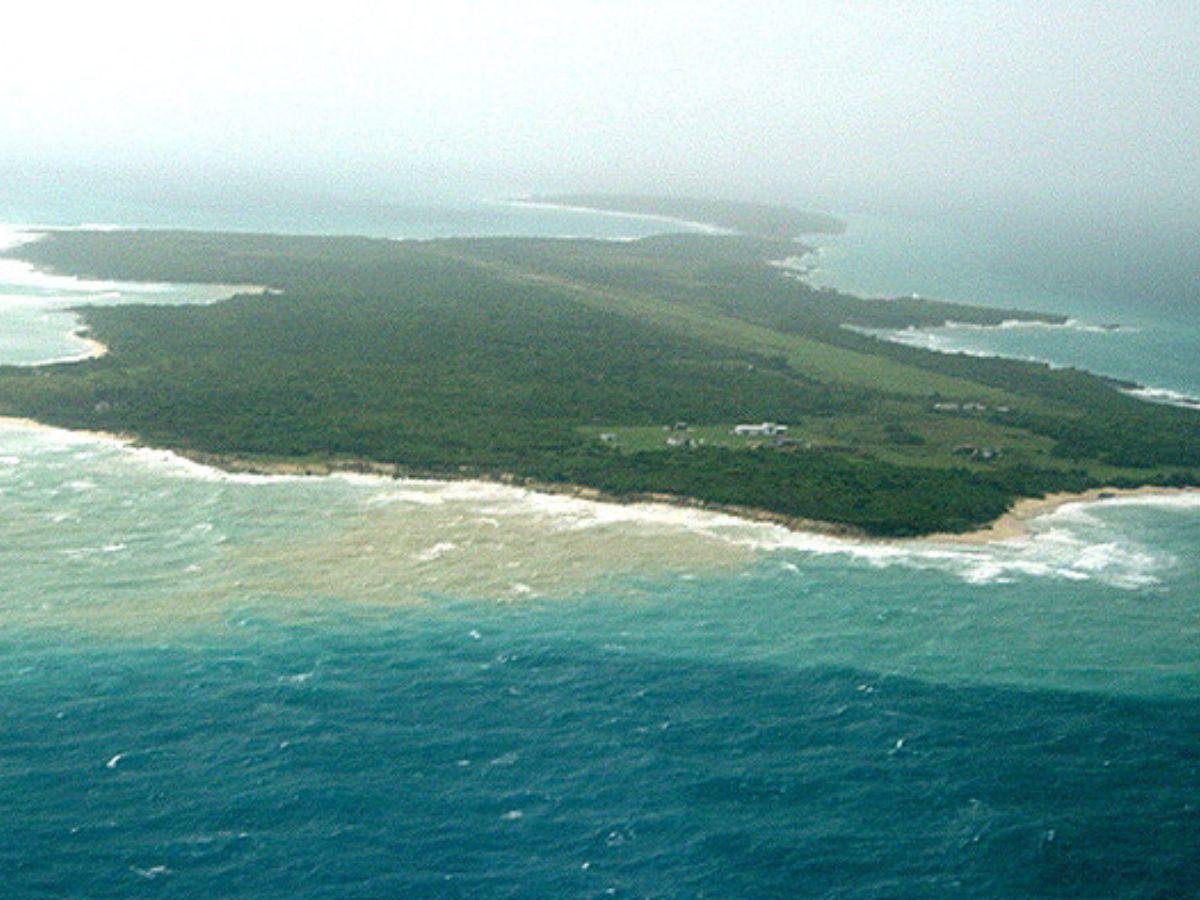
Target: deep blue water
column 406, row 759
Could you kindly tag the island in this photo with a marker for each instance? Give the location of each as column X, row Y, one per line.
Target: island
column 681, row 367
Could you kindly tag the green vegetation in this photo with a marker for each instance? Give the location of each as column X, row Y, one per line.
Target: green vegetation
column 512, row 357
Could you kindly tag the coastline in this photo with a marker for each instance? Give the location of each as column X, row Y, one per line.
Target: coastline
column 233, row 463
column 1012, row 525
column 93, row 349
column 35, row 425
column 702, row 227
column 1016, row 522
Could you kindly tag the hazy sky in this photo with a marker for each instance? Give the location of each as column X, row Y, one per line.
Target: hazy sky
column 865, row 101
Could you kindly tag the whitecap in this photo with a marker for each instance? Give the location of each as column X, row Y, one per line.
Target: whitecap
column 1069, row 545
column 416, row 497
column 441, row 548
column 175, row 464
column 1165, row 396
column 152, row 872
column 368, row 479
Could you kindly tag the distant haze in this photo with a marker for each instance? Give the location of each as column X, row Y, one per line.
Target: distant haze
column 827, row 104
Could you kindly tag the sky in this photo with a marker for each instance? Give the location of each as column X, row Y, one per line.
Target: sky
column 830, row 103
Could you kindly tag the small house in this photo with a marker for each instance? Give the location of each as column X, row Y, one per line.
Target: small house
column 763, row 429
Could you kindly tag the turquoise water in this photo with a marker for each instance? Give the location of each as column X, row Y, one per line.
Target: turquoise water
column 1131, row 292
column 242, row 685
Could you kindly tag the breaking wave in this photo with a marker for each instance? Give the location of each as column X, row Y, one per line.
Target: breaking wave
column 1165, row 396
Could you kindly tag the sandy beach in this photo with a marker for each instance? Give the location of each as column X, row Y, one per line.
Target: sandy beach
column 95, row 348
column 1015, row 523
column 20, row 422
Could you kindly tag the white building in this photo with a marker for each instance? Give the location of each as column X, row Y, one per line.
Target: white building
column 766, row 429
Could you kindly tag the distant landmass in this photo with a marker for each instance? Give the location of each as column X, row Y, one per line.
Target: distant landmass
column 757, row 219
column 683, row 367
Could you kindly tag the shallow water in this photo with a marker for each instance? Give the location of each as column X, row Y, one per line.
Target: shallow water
column 270, row 686
column 1142, row 279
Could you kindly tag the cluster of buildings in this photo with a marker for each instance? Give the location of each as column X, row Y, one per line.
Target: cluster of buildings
column 677, row 434
column 967, row 407
column 983, row 454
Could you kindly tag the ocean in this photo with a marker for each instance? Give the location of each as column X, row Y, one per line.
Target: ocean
column 350, row 686
column 1130, row 290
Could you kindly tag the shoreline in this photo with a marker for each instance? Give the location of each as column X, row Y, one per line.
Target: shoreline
column 1015, row 523
column 1012, row 525
column 35, row 425
column 702, row 227
column 94, row 349
column 235, row 464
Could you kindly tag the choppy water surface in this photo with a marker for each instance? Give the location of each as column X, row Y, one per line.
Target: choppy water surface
column 236, row 684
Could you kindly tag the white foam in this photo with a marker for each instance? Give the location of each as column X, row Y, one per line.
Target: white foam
column 51, row 439
column 1039, row 325
column 415, row 497
column 17, row 273
column 363, row 479
column 12, row 236
column 705, row 227
column 943, row 338
column 796, row 266
column 174, row 464
column 1071, row 544
column 1165, row 396
column 1183, row 501
column 438, row 550
column 152, row 872
column 1074, row 543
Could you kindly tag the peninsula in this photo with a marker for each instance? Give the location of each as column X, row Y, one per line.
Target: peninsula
column 681, row 366
column 739, row 216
